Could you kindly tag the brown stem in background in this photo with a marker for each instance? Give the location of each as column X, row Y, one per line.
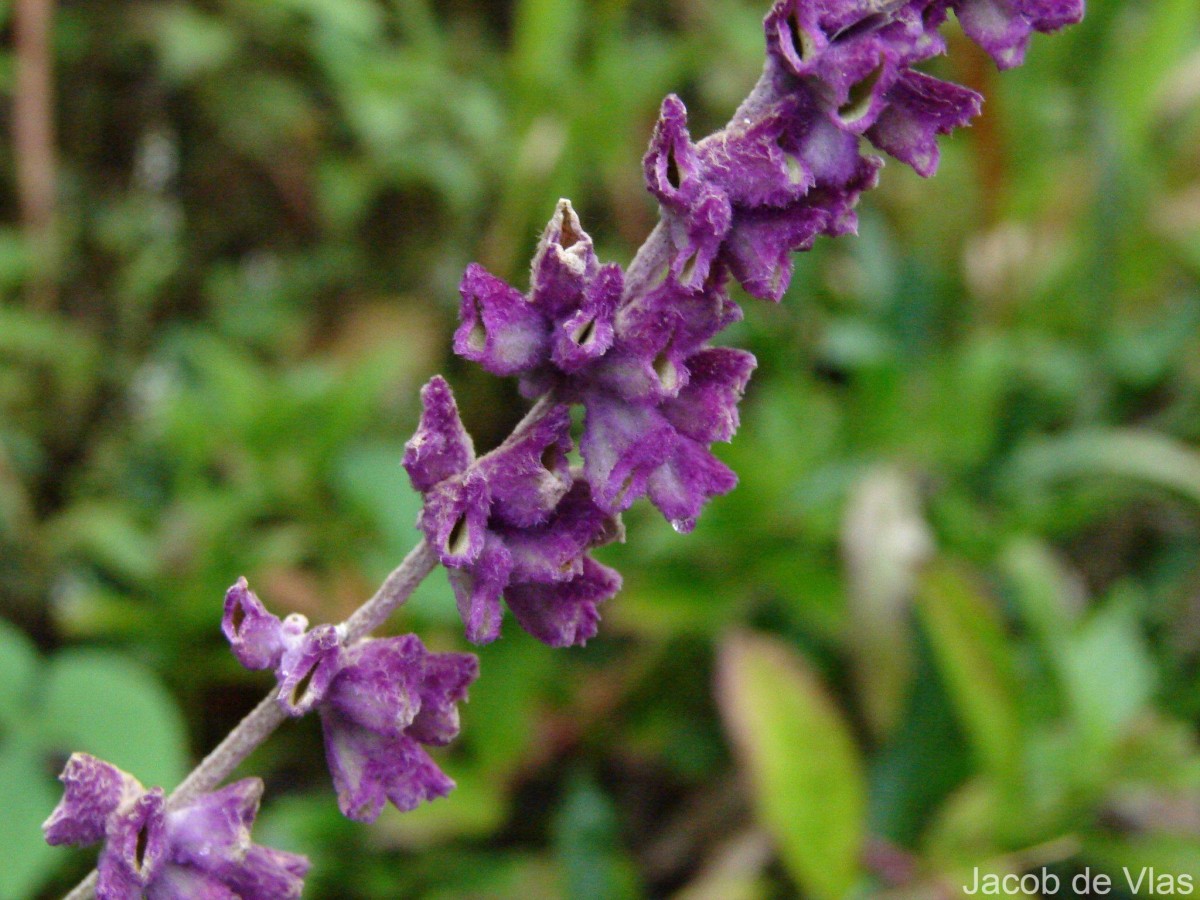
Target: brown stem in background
column 33, row 140
column 975, row 69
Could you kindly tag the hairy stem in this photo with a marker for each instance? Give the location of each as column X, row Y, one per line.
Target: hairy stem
column 396, row 589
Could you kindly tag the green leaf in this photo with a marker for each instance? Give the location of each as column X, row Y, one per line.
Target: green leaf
column 1048, row 595
column 18, row 662
column 1108, row 674
column 975, row 661
column 1153, row 39
column 192, row 44
column 545, row 36
column 806, row 772
column 1131, row 453
column 106, row 535
column 27, row 796
column 100, row 703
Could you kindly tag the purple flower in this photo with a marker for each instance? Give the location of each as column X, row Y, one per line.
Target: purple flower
column 850, row 52
column 258, row 639
column 620, row 353
column 379, row 700
column 633, row 348
column 305, row 660
column 1003, row 27
column 919, row 108
column 390, row 698
column 198, row 851
column 512, row 520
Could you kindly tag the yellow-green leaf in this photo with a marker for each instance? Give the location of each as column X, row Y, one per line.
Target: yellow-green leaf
column 803, row 765
column 974, row 658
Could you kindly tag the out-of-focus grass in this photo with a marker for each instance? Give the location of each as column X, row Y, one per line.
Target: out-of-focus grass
column 948, row 619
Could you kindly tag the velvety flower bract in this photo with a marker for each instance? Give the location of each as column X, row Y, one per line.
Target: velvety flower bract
column 200, row 850
column 1003, row 27
column 391, row 697
column 304, row 660
column 379, row 700
column 516, row 517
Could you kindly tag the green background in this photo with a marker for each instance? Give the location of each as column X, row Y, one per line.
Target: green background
column 950, row 617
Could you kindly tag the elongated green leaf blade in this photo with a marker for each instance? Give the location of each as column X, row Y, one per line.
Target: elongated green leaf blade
column 804, row 767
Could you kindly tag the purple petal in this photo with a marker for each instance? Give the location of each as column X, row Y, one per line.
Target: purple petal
column 840, row 202
column 670, row 321
column 455, row 517
column 254, row 635
column 215, row 827
column 377, row 687
column 267, row 874
column 135, row 849
column 760, row 248
column 443, row 685
column 564, row 614
column 854, row 50
column 369, row 769
column 752, row 166
column 671, row 166
column 919, row 108
column 441, row 446
column 563, row 265
column 529, row 473
column 794, row 36
column 477, row 590
column 996, row 27
column 685, row 482
column 706, row 410
column 860, row 94
column 93, row 789
column 553, row 552
column 701, row 316
column 1003, row 27
column 697, row 235
column 307, row 669
column 394, row 686
column 1051, row 15
column 587, row 334
column 500, row 330
column 641, row 376
column 187, row 883
column 830, row 151
column 621, row 445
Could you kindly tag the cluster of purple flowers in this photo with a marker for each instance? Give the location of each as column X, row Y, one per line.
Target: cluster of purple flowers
column 198, row 851
column 379, row 700
column 633, row 350
column 515, row 522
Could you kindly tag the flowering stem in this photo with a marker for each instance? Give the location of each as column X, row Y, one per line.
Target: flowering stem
column 262, row 721
column 396, row 589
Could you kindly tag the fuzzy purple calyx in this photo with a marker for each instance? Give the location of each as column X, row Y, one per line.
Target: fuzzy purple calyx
column 378, row 701
column 201, row 850
column 519, row 516
column 391, row 697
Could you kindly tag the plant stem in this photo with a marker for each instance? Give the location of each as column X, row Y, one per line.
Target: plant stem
column 33, row 141
column 395, row 589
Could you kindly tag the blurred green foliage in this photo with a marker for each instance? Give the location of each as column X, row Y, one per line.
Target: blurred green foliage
column 950, row 617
